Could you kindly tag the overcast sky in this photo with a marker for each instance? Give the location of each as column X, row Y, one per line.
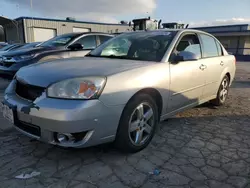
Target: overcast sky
column 195, row 12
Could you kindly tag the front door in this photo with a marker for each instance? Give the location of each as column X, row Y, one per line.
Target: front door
column 187, row 77
column 89, row 43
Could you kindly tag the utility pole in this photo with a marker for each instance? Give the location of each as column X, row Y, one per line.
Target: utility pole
column 31, row 5
column 32, row 26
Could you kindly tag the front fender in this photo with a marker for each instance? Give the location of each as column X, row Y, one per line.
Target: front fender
column 122, row 86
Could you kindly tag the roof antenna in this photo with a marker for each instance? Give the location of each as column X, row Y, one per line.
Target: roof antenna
column 186, row 26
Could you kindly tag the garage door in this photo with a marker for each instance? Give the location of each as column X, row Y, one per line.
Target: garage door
column 41, row 34
column 80, row 29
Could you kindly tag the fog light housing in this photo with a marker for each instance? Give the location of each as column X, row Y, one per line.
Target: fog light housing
column 71, row 139
column 64, row 137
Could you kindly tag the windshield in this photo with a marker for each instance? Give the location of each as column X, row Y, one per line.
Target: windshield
column 144, row 46
column 30, row 45
column 60, row 41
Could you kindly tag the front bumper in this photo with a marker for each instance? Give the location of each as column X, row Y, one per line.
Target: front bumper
column 95, row 121
column 7, row 71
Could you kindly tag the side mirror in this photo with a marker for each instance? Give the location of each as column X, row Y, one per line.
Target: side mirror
column 75, row 46
column 186, row 56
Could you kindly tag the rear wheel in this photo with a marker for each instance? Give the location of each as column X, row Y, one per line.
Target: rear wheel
column 138, row 123
column 222, row 92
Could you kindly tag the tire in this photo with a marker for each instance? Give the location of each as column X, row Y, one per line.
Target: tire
column 222, row 92
column 134, row 131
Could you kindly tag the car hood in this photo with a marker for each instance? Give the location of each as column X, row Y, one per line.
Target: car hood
column 2, row 53
column 44, row 74
column 28, row 51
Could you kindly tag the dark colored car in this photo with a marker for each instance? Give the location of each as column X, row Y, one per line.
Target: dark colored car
column 2, row 44
column 29, row 45
column 9, row 48
column 62, row 46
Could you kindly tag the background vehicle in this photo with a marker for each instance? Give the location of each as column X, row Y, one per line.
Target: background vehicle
column 10, row 47
column 157, row 74
column 29, row 45
column 2, row 44
column 63, row 46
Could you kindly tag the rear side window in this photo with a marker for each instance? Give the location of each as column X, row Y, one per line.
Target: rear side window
column 210, row 48
column 104, row 38
column 220, row 53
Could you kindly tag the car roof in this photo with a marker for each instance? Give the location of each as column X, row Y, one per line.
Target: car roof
column 168, row 30
column 78, row 34
column 165, row 29
column 85, row 33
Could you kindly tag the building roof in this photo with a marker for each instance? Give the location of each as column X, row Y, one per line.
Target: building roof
column 227, row 30
column 71, row 21
column 221, row 26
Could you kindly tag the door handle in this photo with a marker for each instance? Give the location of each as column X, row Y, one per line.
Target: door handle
column 221, row 63
column 202, row 67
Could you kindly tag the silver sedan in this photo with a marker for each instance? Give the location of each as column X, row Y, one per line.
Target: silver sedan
column 121, row 90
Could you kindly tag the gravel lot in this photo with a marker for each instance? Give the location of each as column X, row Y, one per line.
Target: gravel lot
column 200, row 148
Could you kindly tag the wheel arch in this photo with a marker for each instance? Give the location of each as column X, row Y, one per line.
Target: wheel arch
column 226, row 72
column 155, row 94
column 229, row 76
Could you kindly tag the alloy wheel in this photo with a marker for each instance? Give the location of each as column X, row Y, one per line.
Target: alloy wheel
column 224, row 90
column 141, row 124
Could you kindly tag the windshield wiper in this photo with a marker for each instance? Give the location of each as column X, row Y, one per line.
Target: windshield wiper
column 106, row 56
column 91, row 55
column 115, row 57
column 112, row 56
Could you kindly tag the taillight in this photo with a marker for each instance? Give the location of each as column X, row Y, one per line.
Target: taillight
column 234, row 60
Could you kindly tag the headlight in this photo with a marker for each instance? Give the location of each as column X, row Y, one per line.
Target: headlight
column 77, row 88
column 24, row 57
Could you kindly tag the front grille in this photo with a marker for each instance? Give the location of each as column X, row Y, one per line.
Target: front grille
column 28, row 92
column 29, row 128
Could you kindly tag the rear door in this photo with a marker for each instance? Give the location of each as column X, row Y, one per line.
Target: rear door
column 212, row 57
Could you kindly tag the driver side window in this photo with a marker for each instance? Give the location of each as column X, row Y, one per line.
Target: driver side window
column 88, row 42
column 188, row 43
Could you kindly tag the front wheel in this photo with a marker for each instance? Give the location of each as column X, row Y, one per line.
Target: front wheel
column 138, row 123
column 222, row 92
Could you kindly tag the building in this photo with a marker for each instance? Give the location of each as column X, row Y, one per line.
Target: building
column 235, row 38
column 27, row 29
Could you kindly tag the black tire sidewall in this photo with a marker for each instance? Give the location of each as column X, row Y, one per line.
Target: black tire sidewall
column 122, row 137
